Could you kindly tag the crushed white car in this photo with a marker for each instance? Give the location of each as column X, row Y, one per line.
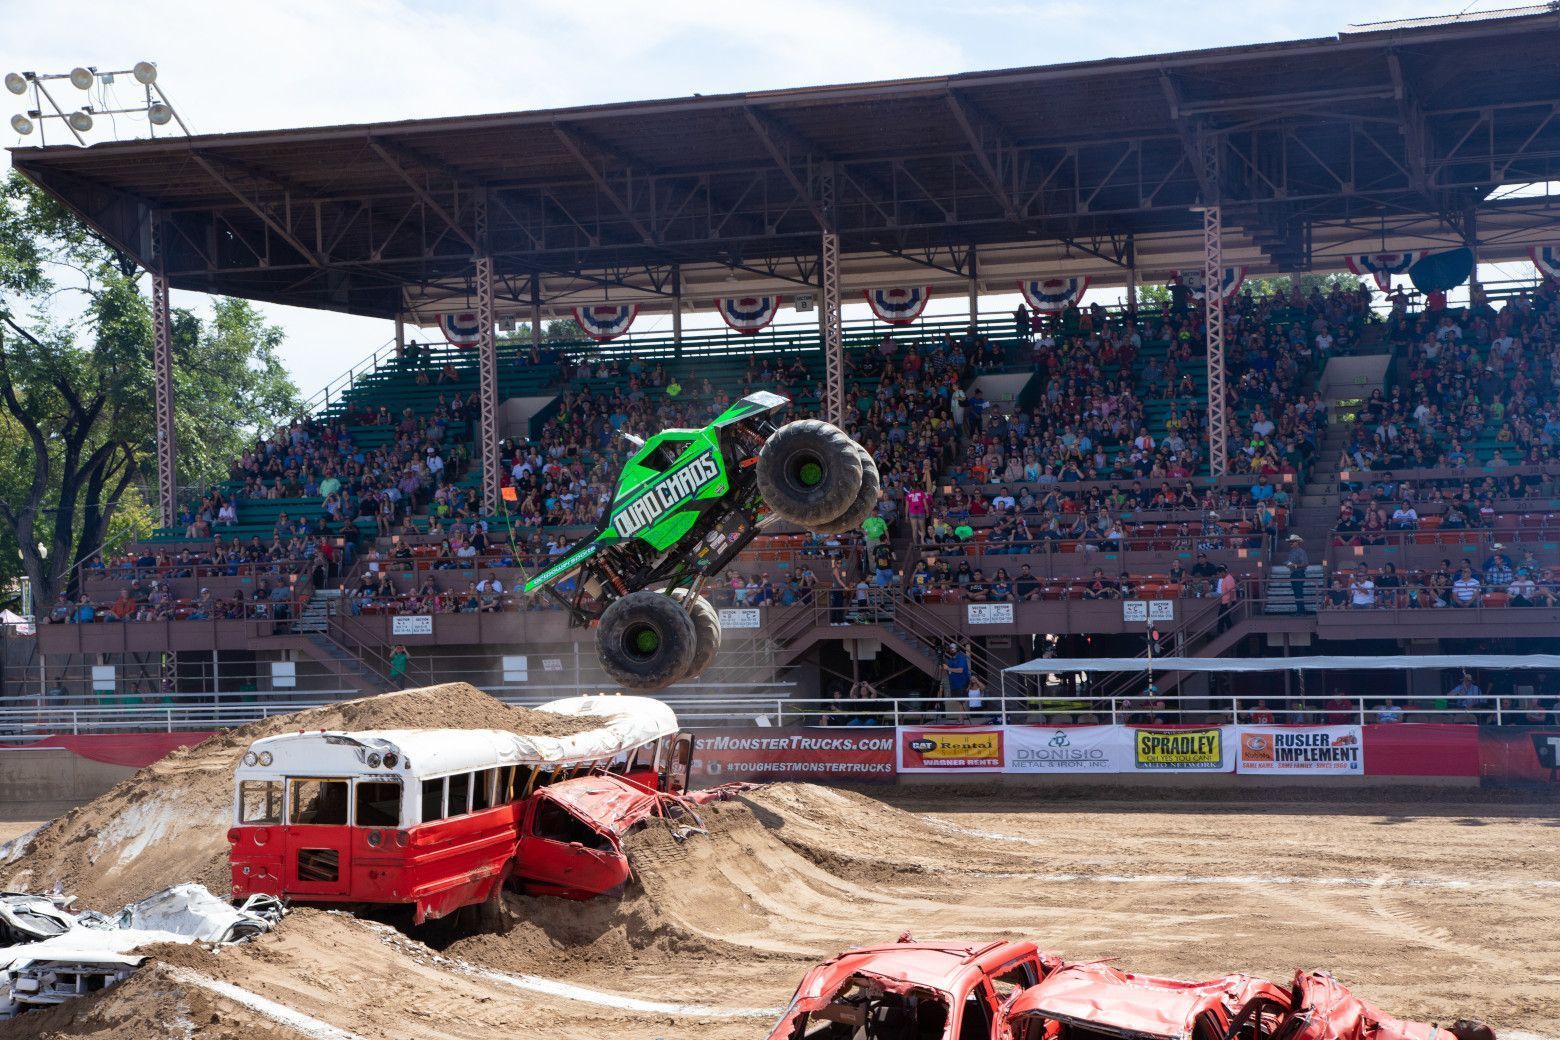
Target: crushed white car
column 51, row 955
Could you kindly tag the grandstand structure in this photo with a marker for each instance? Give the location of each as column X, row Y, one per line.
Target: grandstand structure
column 1279, row 158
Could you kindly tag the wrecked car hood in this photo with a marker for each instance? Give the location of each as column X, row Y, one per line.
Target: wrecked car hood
column 607, row 803
column 1333, row 1013
column 1100, row 995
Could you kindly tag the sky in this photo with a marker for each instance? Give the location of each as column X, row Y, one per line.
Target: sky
column 238, row 65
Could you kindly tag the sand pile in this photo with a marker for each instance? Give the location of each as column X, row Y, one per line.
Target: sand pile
column 168, row 823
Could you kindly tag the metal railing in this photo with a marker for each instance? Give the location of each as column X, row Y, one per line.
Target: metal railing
column 1091, row 707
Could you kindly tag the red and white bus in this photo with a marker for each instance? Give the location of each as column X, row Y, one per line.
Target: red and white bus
column 439, row 819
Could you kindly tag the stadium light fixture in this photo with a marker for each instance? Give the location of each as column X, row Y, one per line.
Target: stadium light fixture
column 21, row 124
column 160, row 113
column 16, row 83
column 145, row 73
column 158, row 110
column 82, row 78
column 80, row 121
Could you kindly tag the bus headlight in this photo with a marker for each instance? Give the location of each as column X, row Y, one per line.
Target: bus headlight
column 403, row 839
column 391, row 759
column 251, row 758
column 373, row 760
column 374, row 838
column 265, row 758
column 261, row 835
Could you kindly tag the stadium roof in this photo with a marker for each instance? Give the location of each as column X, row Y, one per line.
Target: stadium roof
column 1380, row 138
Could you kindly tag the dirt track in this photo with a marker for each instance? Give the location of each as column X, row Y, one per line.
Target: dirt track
column 1430, row 911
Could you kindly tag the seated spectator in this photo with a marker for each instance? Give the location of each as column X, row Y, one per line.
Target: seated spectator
column 1362, row 590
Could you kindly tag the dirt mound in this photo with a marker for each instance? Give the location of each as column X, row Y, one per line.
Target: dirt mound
column 168, row 823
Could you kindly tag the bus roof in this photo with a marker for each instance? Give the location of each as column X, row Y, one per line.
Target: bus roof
column 625, row 723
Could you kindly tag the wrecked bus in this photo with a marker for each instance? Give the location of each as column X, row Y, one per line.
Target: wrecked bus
column 441, row 819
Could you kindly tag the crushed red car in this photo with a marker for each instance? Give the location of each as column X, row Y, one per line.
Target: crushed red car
column 1096, row 1001
column 1011, row 991
column 918, row 991
column 571, row 835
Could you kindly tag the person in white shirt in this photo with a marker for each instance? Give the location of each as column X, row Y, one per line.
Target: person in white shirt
column 1362, row 590
column 1405, row 517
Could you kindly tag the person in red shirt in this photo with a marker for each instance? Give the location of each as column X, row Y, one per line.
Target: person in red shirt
column 916, row 505
column 1340, row 710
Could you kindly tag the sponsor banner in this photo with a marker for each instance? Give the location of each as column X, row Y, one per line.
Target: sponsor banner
column 990, row 613
column 1519, row 755
column 1421, row 749
column 1293, row 750
column 411, row 625
column 1033, row 750
column 951, row 749
column 1205, row 749
column 808, row 753
column 740, row 617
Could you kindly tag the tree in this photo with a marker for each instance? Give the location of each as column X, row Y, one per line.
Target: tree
column 77, row 415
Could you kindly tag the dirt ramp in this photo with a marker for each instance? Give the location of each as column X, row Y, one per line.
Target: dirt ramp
column 168, row 823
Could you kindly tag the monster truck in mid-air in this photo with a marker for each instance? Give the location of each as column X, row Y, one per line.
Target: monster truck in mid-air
column 686, row 503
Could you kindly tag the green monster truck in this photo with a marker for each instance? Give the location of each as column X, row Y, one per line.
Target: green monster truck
column 687, row 502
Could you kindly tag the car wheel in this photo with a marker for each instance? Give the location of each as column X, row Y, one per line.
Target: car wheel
column 809, row 472
column 866, row 499
column 706, row 625
column 646, row 640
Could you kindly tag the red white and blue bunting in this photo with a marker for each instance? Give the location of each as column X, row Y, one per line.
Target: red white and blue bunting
column 748, row 314
column 1547, row 260
column 606, row 321
column 1053, row 295
column 1234, row 278
column 461, row 329
column 899, row 306
column 1382, row 266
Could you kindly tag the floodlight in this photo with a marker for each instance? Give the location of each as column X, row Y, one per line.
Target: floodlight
column 81, row 78
column 16, row 83
column 80, row 121
column 21, row 124
column 159, row 113
column 145, row 73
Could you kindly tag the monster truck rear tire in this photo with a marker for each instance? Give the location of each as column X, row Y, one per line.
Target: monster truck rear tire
column 646, row 640
column 866, row 499
column 809, row 473
column 706, row 624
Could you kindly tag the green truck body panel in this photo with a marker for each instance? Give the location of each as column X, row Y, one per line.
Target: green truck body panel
column 665, row 487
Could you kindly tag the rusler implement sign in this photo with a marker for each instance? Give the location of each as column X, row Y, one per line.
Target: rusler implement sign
column 815, row 753
column 1311, row 750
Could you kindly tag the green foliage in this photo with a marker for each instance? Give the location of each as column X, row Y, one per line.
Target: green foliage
column 77, row 418
column 1152, row 295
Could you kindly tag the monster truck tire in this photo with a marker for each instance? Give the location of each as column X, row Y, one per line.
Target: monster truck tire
column 809, row 473
column 646, row 640
column 866, row 499
column 706, row 625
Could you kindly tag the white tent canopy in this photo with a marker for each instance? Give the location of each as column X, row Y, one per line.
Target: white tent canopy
column 1282, row 664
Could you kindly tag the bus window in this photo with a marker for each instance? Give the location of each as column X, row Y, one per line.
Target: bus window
column 259, row 801
column 506, row 785
column 320, row 802
column 432, row 800
column 644, row 757
column 460, row 795
column 555, row 823
column 482, row 789
column 379, row 803
column 524, row 777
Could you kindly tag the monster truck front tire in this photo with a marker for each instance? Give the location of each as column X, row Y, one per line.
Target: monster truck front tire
column 866, row 499
column 809, row 473
column 646, row 641
column 706, row 624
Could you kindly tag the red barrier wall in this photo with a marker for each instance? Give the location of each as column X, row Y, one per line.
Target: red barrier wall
column 1421, row 749
column 135, row 750
column 1519, row 755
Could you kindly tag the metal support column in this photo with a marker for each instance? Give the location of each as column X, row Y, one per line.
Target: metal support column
column 1213, row 304
column 487, row 363
column 833, row 329
column 1471, row 234
column 400, row 337
column 974, row 288
column 1131, row 301
column 677, row 310
column 536, row 313
column 162, row 374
